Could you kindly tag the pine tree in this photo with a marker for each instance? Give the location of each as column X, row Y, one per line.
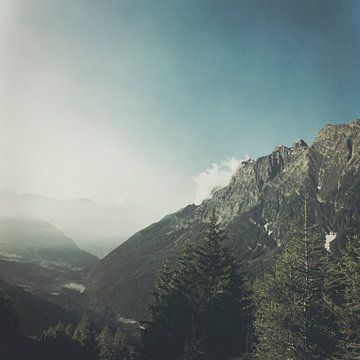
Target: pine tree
column 171, row 309
column 84, row 334
column 84, row 331
column 202, row 290
column 222, row 299
column 194, row 347
column 105, row 341
column 294, row 320
column 69, row 330
column 121, row 347
column 57, row 343
column 346, row 299
column 113, row 347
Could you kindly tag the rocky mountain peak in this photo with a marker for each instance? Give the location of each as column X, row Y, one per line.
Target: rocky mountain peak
column 299, row 144
column 332, row 131
column 257, row 209
column 281, row 149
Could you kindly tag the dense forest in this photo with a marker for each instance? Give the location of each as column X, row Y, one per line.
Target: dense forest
column 205, row 307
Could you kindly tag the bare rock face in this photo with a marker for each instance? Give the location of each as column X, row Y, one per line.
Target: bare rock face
column 257, row 209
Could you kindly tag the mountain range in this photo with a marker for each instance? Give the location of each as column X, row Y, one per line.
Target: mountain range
column 96, row 229
column 257, row 210
column 41, row 265
column 37, row 256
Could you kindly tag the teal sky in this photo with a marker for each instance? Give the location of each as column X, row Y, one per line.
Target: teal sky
column 123, row 94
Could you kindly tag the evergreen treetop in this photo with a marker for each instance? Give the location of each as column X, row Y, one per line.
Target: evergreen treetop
column 200, row 301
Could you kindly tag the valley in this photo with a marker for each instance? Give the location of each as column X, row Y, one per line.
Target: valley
column 50, row 279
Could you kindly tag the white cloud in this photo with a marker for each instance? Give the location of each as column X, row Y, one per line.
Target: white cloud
column 217, row 175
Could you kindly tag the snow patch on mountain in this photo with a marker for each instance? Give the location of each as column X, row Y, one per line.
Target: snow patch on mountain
column 329, row 238
column 266, row 226
column 75, row 286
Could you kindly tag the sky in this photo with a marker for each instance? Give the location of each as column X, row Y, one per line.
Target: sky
column 153, row 103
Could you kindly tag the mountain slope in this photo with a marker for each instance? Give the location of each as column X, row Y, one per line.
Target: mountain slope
column 94, row 228
column 263, row 198
column 34, row 312
column 39, row 257
column 31, row 239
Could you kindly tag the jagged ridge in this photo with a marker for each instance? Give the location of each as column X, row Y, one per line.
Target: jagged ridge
column 256, row 209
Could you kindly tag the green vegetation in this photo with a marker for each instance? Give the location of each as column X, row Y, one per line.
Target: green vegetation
column 60, row 342
column 306, row 307
column 84, row 342
column 293, row 317
column 201, row 307
column 346, row 299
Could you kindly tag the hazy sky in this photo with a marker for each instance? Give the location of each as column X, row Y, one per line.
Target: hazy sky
column 150, row 103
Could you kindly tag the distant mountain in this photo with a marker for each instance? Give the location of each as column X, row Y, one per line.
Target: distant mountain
column 257, row 209
column 39, row 257
column 35, row 240
column 95, row 229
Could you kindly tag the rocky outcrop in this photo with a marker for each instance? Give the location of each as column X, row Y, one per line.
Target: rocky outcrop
column 257, row 209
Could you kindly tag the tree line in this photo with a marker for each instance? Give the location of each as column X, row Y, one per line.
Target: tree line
column 307, row 307
column 60, row 342
column 205, row 308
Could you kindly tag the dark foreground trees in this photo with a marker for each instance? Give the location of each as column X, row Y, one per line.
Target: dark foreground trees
column 60, row 342
column 345, row 283
column 309, row 307
column 84, row 342
column 13, row 344
column 294, row 318
column 201, row 307
column 9, row 330
column 113, row 346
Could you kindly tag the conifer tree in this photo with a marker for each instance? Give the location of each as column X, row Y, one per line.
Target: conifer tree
column 57, row 343
column 121, row 347
column 84, row 331
column 346, row 299
column 222, row 299
column 294, row 320
column 113, row 347
column 202, row 290
column 84, row 334
column 69, row 330
column 105, row 341
column 194, row 347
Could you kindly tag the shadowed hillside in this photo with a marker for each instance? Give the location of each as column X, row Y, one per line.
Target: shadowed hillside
column 256, row 209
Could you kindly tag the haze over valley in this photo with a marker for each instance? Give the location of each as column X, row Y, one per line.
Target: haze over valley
column 179, row 180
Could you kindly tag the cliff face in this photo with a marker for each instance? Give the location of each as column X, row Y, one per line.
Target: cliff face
column 264, row 198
